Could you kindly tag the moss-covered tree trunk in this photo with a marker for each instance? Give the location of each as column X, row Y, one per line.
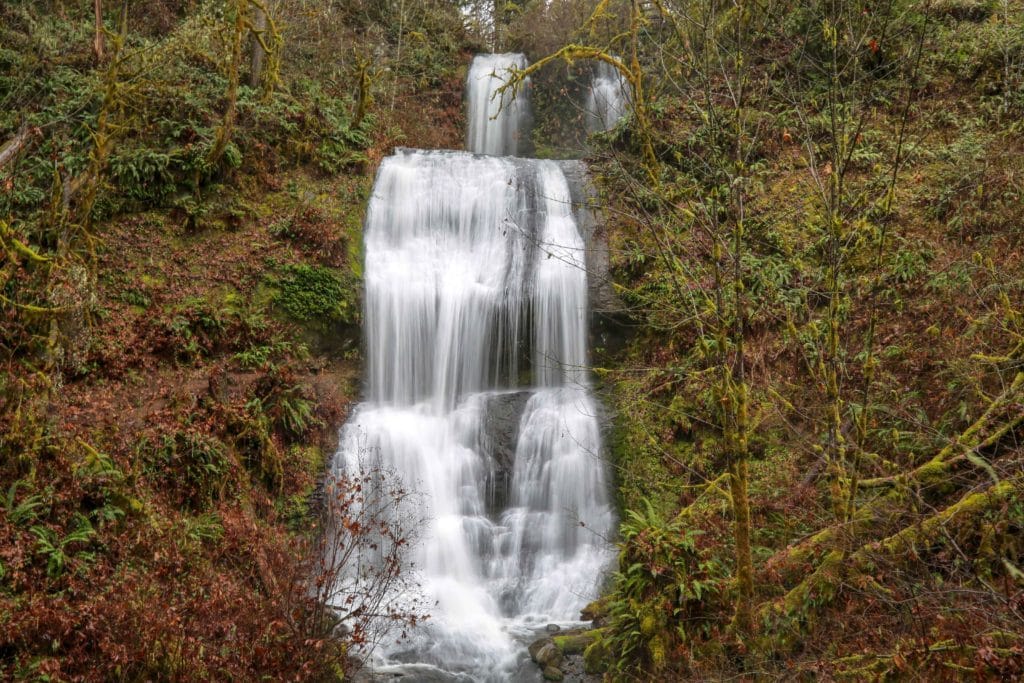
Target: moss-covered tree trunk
column 227, row 125
column 98, row 41
column 259, row 25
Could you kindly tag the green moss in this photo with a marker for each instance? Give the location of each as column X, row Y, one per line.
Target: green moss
column 314, row 294
column 596, row 657
column 152, row 280
column 574, row 642
column 597, row 609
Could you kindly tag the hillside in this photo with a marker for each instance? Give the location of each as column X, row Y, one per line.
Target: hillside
column 822, row 276
column 181, row 337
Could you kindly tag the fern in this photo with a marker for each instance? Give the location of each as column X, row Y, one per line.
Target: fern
column 664, row 582
column 56, row 549
column 28, row 510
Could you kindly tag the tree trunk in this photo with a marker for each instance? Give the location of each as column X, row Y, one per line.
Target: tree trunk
column 98, row 41
column 259, row 25
column 10, row 150
column 227, row 126
column 743, row 620
column 363, row 96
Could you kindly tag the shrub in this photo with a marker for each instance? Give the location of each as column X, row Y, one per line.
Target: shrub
column 663, row 595
column 316, row 294
column 195, row 464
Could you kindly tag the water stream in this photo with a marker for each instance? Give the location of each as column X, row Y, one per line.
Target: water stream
column 478, row 397
column 607, row 98
column 497, row 124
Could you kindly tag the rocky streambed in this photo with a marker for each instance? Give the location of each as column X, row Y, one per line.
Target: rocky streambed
column 574, row 654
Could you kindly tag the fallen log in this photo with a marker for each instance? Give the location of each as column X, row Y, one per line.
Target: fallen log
column 1001, row 418
column 820, row 587
column 15, row 145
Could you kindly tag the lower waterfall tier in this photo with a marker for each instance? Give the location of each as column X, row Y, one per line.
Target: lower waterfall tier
column 503, row 544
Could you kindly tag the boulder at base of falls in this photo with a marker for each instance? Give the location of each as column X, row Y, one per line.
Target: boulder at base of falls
column 564, row 654
column 553, row 673
column 545, row 653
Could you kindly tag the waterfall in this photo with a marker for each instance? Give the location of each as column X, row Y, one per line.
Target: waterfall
column 496, row 124
column 478, row 398
column 607, row 98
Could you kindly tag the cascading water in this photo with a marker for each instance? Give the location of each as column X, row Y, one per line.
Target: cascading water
column 607, row 98
column 478, row 398
column 497, row 123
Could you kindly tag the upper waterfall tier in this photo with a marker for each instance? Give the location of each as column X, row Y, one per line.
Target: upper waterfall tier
column 497, row 123
column 607, row 98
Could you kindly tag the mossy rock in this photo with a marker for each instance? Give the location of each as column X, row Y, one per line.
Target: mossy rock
column 553, row 673
column 545, row 653
column 574, row 642
column 596, row 610
column 596, row 657
column 323, row 301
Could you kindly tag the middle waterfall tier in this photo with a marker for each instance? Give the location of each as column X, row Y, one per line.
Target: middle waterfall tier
column 475, row 278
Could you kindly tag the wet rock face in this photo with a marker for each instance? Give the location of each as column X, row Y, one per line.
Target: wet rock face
column 500, row 433
column 609, row 322
column 585, row 209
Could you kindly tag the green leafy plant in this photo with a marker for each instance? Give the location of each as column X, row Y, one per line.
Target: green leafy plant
column 99, row 474
column 268, row 355
column 665, row 591
column 909, row 263
column 287, row 409
column 31, row 507
column 57, row 550
column 135, row 297
column 195, row 329
column 295, row 413
column 194, row 463
column 204, row 528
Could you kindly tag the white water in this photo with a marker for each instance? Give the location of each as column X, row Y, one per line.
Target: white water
column 478, row 397
column 496, row 124
column 470, row 262
column 607, row 98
